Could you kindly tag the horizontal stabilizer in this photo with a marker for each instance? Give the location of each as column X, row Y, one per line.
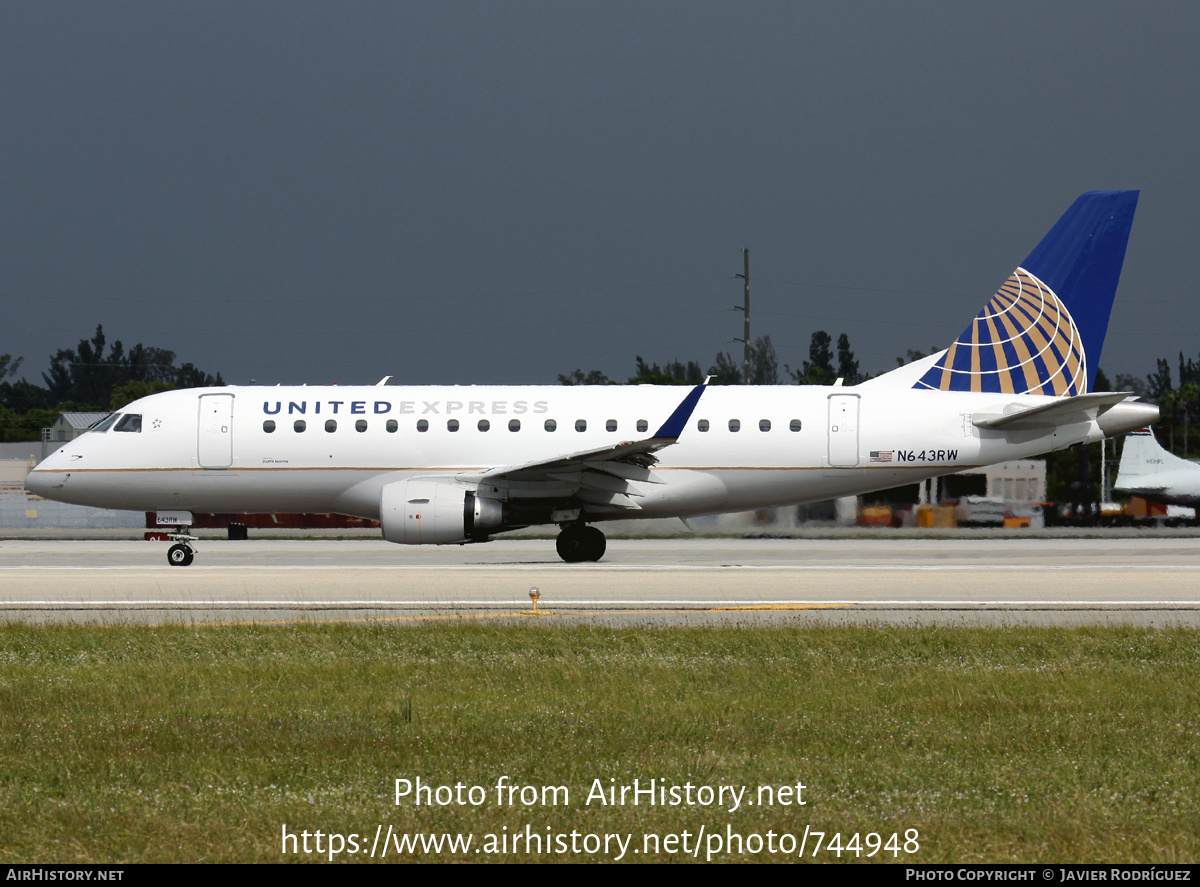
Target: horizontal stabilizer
column 1064, row 411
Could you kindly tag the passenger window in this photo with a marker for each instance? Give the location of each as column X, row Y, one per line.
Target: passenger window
column 551, row 425
column 299, row 425
column 514, row 424
column 452, row 425
column 610, row 425
column 331, row 425
column 269, row 426
column 735, row 424
column 702, row 425
column 360, row 425
column 581, row 424
column 422, row 425
column 105, row 424
column 764, row 424
column 795, row 425
column 484, row 425
column 129, row 422
column 643, row 425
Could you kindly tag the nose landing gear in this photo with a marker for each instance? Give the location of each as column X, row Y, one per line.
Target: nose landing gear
column 578, row 543
column 181, row 554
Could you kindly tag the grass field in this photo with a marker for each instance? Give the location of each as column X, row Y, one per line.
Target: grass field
column 141, row 743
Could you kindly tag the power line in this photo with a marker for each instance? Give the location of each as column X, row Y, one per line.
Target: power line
column 339, row 299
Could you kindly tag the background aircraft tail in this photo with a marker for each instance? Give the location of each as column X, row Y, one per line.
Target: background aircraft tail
column 1142, row 457
column 1043, row 331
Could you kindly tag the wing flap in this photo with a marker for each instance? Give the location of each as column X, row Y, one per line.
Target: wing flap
column 595, row 480
column 611, row 500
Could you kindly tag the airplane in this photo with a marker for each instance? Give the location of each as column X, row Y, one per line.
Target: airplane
column 1148, row 470
column 460, row 464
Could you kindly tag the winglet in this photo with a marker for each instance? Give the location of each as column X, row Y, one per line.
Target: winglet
column 673, row 427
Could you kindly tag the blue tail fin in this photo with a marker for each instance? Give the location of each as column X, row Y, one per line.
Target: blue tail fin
column 1043, row 330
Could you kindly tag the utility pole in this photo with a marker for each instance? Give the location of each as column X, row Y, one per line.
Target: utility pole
column 746, row 318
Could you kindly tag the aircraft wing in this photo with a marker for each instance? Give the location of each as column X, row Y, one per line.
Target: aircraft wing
column 610, row 476
column 1063, row 411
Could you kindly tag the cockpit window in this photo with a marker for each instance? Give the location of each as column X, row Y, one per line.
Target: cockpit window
column 105, row 424
column 129, row 422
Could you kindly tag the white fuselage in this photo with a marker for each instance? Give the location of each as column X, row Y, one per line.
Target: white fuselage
column 239, row 449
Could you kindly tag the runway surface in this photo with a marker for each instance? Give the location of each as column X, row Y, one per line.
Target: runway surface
column 1150, row 581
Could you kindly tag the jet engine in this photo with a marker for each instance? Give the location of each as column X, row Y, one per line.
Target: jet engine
column 428, row 512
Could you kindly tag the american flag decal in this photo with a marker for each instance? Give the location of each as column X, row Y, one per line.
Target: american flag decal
column 881, row 455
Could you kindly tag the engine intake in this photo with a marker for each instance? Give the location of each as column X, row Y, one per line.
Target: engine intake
column 425, row 512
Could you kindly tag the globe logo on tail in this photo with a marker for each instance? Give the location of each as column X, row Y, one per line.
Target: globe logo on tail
column 1022, row 342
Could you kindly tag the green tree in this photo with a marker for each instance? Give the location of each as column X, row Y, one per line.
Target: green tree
column 1189, row 374
column 88, row 374
column 131, row 391
column 24, row 426
column 847, row 366
column 1132, row 384
column 672, row 373
column 912, row 356
column 726, row 371
column 818, row 369
column 20, row 396
column 764, row 365
column 1159, row 382
column 1160, row 389
column 9, row 365
column 1187, row 395
column 578, row 377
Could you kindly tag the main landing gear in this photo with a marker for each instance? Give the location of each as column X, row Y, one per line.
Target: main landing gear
column 579, row 542
column 181, row 554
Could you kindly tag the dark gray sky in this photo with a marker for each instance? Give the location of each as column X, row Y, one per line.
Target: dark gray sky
column 500, row 192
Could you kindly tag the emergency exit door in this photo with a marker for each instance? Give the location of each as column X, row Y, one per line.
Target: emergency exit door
column 843, row 430
column 214, row 443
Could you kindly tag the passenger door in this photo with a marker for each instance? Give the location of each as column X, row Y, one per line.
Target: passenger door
column 843, row 430
column 214, row 443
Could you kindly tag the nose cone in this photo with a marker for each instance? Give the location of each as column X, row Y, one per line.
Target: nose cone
column 43, row 483
column 49, row 477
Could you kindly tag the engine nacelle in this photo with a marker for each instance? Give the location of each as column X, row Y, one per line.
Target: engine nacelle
column 425, row 512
